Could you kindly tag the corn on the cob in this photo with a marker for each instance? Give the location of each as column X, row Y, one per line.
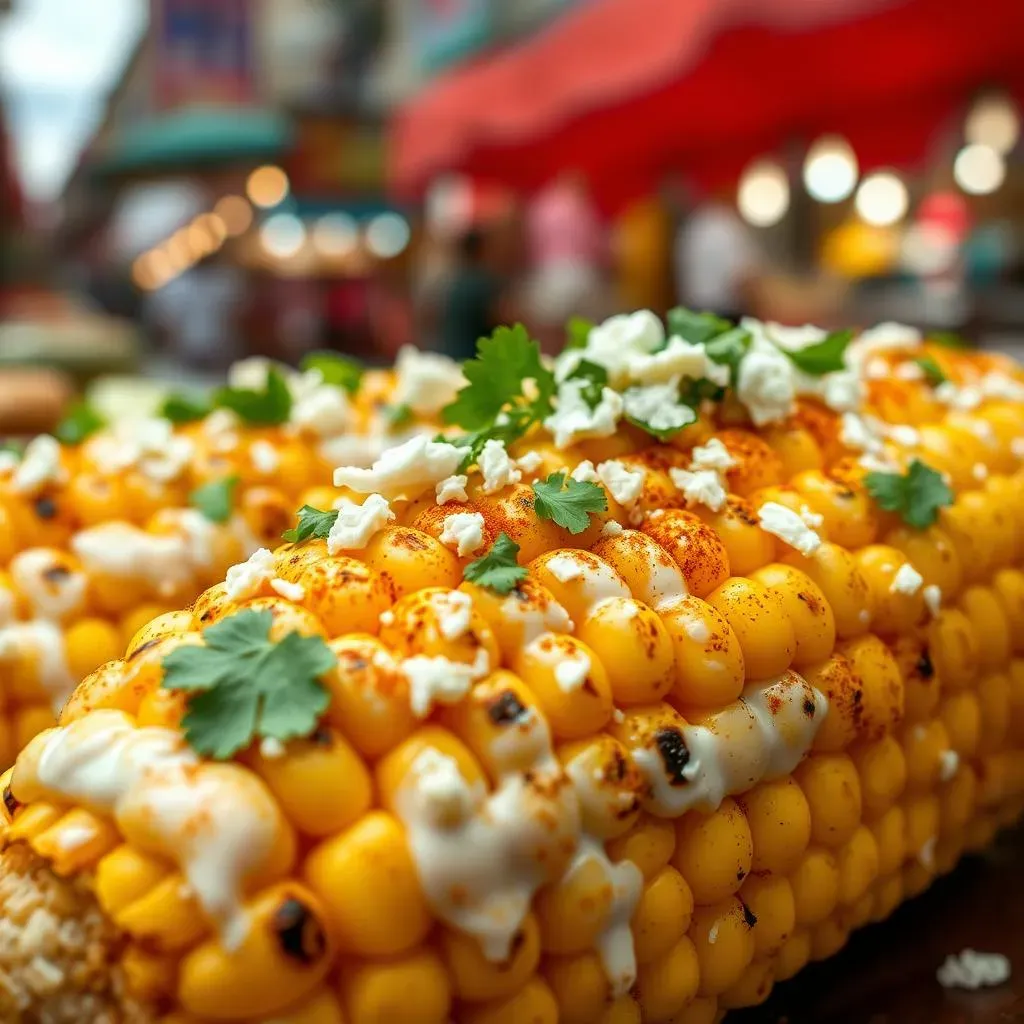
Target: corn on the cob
column 98, row 538
column 733, row 700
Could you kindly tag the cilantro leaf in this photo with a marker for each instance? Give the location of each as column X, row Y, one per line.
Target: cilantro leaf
column 569, row 506
column 728, row 349
column 312, row 523
column 932, row 371
column 336, row 369
column 948, row 339
column 825, row 356
column 917, row 496
column 596, row 377
column 244, row 686
column 696, row 328
column 12, row 447
column 182, row 408
column 81, row 421
column 271, row 405
column 215, row 499
column 398, row 415
column 498, row 570
column 694, row 391
column 577, row 332
column 496, row 375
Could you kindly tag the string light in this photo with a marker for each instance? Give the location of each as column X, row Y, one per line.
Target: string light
column 763, row 195
column 830, row 170
column 882, row 199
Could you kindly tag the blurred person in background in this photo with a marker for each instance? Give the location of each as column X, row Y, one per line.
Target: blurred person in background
column 717, row 259
column 471, row 299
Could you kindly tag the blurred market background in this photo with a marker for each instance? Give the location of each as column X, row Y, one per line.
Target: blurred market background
column 187, row 182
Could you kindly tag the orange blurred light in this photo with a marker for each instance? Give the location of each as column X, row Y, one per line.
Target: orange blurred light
column 267, row 186
column 234, row 213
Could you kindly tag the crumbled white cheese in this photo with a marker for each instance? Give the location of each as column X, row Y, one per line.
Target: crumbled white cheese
column 973, row 970
column 713, row 455
column 446, row 797
column 264, row 457
column 272, row 749
column 463, row 532
column 611, row 529
column 815, row 520
column 907, row 581
column 703, row 487
column 497, row 467
column 625, row 485
column 426, row 381
column 615, row 343
column 574, row 420
column 932, row 598
column 571, row 673
column 956, row 396
column 883, row 337
column 677, row 359
column 53, row 589
column 765, row 384
column 251, row 374
column 247, row 578
column 530, row 462
column 878, row 464
column 438, row 680
column 586, row 473
column 405, row 470
column 356, row 524
column 788, row 526
column 926, row 855
column 903, row 435
column 40, row 465
column 289, row 591
column 323, row 409
column 1001, row 387
column 150, row 445
column 452, row 488
column 949, row 763
column 564, row 568
column 221, row 428
column 979, row 471
column 857, row 432
column 658, row 406
column 8, row 460
column 909, row 371
column 454, row 611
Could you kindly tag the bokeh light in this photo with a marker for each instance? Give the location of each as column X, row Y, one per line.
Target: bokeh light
column 267, row 186
column 882, row 199
column 979, row 169
column 387, row 235
column 830, row 169
column 993, row 122
column 236, row 214
column 282, row 235
column 763, row 195
column 335, row 234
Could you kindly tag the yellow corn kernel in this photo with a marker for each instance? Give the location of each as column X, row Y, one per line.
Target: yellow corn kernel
column 815, row 883
column 76, row 841
column 149, row 622
column 609, row 784
column 574, row 910
column 29, row 722
column 723, row 937
column 832, row 787
column 755, row 463
column 888, row 895
column 794, row 956
column 164, row 708
column 32, row 821
column 989, row 625
column 753, row 988
column 662, row 916
column 709, row 661
column 534, row 1002
column 932, row 553
column 125, row 875
column 858, row 865
column 779, row 819
column 924, row 747
column 166, row 918
column 759, row 620
column 770, row 899
column 1017, row 701
column 285, row 954
column 665, row 985
column 960, row 713
column 974, row 549
column 369, row 887
column 322, row 1007
column 994, row 704
column 737, row 524
column 625, row 1010
column 922, row 823
column 714, row 851
column 851, row 518
column 345, row 595
column 835, row 571
column 579, row 985
column 882, row 768
column 814, row 625
column 844, row 690
column 413, row 989
column 921, row 686
column 89, row 643
column 1008, row 585
column 477, row 979
column 321, row 782
column 410, row 560
column 957, row 799
column 890, row 832
column 649, row 844
column 881, row 685
column 149, row 977
column 634, row 647
column 702, row 1010
column 695, row 547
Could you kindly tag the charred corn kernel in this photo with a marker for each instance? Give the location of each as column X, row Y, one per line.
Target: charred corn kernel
column 832, row 787
column 694, row 546
column 714, row 852
column 890, row 832
column 770, row 899
column 794, row 955
column 844, row 691
column 753, row 988
column 881, row 704
column 662, row 916
column 321, row 783
column 882, row 768
column 649, row 844
column 953, row 648
column 345, row 595
column 835, row 571
column 779, row 819
column 858, row 865
column 815, row 883
column 737, row 524
column 285, row 954
column 814, row 627
column 534, row 1002
column 410, row 560
column 665, row 985
column 759, row 620
column 76, row 841
column 994, row 703
column 635, row 648
column 477, row 979
column 924, row 747
column 609, row 784
column 413, row 989
column 921, row 686
column 723, row 936
column 89, row 643
column 367, row 881
column 708, row 658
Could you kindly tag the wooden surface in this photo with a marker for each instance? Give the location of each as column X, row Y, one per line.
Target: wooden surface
column 886, row 973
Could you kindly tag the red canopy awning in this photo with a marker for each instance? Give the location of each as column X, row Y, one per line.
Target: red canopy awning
column 626, row 90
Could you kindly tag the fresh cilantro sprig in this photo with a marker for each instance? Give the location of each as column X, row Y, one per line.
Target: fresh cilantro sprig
column 729, row 349
column 313, row 522
column 80, row 422
column 179, row 407
column 948, row 339
column 398, row 415
column 215, row 499
column 243, row 686
column 932, row 371
column 825, row 356
column 916, row 495
column 270, row 405
column 577, row 332
column 499, row 569
column 696, row 328
column 664, row 433
column 596, row 377
column 336, row 369
column 568, row 504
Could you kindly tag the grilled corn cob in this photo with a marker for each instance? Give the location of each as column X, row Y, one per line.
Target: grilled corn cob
column 98, row 538
column 562, row 723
